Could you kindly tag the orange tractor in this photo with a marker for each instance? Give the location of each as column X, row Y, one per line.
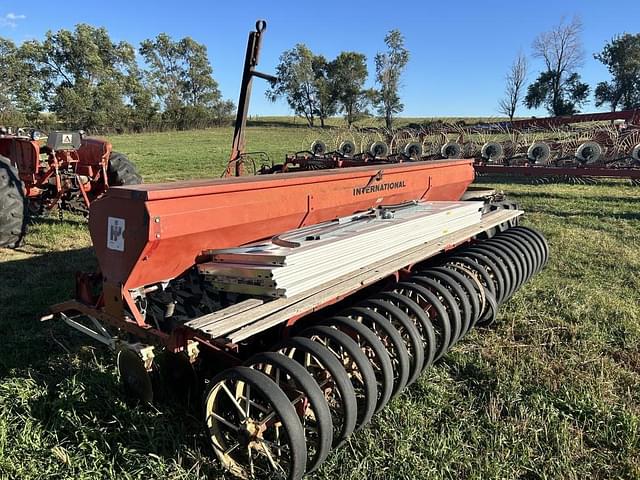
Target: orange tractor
column 67, row 172
column 293, row 305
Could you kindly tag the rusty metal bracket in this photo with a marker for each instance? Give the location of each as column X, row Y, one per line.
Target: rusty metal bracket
column 234, row 166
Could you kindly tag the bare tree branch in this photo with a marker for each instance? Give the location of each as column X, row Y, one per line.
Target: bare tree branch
column 514, row 88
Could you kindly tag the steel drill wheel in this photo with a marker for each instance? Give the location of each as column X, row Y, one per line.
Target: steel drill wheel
column 490, row 264
column 448, row 300
column 530, row 257
column 483, row 271
column 473, row 291
column 307, row 399
column 407, row 330
column 332, row 379
column 420, row 319
column 375, row 351
column 484, row 280
column 432, row 306
column 513, row 261
column 541, row 239
column 491, row 312
column 525, row 244
column 521, row 259
column 252, row 426
column 526, row 256
column 391, row 340
column 463, row 298
column 533, row 244
column 478, row 282
column 356, row 364
column 503, row 262
column 500, row 266
column 134, row 376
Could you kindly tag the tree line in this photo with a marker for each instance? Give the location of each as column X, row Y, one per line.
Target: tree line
column 559, row 87
column 84, row 80
column 316, row 88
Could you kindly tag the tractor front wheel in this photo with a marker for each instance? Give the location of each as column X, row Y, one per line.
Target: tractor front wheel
column 13, row 206
column 122, row 171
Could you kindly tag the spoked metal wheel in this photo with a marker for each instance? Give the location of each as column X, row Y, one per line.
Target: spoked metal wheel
column 375, row 352
column 483, row 263
column 332, row 379
column 462, row 298
column 450, row 304
column 307, row 399
column 253, row 427
column 472, row 279
column 407, row 330
column 392, row 341
column 356, row 365
column 480, row 281
column 433, row 307
column 421, row 321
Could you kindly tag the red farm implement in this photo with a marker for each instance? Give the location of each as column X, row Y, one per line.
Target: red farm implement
column 67, row 172
column 295, row 303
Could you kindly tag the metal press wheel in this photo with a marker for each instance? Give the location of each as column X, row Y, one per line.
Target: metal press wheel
column 421, row 321
column 407, row 330
column 307, row 399
column 355, row 363
column 463, row 288
column 433, row 307
column 253, row 428
column 390, row 338
column 375, row 352
column 332, row 379
column 430, row 278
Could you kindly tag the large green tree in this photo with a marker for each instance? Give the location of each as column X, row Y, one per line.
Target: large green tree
column 20, row 87
column 558, row 87
column 87, row 79
column 347, row 74
column 180, row 77
column 389, row 68
column 621, row 56
column 302, row 79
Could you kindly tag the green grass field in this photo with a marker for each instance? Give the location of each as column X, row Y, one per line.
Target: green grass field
column 551, row 391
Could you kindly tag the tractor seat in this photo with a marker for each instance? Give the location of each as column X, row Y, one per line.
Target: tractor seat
column 64, row 141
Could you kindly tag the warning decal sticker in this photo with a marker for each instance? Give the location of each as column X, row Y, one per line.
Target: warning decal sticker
column 115, row 234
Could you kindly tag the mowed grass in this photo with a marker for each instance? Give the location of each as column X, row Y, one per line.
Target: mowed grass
column 551, row 391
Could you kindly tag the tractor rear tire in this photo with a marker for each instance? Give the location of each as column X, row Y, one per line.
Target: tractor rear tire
column 13, row 206
column 122, row 171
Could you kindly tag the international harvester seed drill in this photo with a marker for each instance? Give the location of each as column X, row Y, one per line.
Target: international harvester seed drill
column 293, row 306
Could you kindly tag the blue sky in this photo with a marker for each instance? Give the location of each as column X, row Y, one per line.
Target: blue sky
column 460, row 51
